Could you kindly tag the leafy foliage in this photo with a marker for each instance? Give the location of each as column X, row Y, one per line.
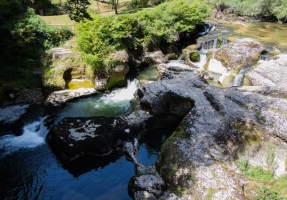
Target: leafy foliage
column 278, row 8
column 77, row 9
column 166, row 23
column 24, row 37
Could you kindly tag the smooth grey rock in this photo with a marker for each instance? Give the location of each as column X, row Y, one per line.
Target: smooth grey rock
column 154, row 57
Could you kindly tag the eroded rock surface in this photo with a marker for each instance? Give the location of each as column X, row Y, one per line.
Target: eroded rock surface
column 220, row 126
column 241, row 52
column 272, row 72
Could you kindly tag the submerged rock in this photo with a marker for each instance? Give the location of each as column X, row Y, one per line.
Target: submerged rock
column 220, row 126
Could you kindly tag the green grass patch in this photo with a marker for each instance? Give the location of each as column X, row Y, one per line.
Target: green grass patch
column 256, row 172
column 58, row 20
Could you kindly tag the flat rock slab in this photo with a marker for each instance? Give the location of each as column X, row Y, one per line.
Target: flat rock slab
column 57, row 100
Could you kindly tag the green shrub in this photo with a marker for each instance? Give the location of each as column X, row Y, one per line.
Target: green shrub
column 165, row 23
column 255, row 8
column 25, row 37
column 139, row 3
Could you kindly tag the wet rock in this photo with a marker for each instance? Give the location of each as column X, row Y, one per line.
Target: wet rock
column 219, row 127
column 76, row 137
column 147, row 184
column 14, row 117
column 272, row 72
column 57, row 100
column 11, row 114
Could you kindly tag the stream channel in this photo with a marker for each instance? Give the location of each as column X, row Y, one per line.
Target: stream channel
column 29, row 169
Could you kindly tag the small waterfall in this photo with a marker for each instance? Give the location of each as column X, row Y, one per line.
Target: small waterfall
column 202, row 60
column 264, row 57
column 117, row 103
column 239, row 77
column 179, row 59
column 215, row 43
column 33, row 135
column 224, row 41
column 209, row 44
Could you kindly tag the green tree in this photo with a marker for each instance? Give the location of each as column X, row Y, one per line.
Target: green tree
column 77, row 10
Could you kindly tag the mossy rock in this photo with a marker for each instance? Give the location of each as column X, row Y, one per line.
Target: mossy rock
column 194, row 57
column 60, row 67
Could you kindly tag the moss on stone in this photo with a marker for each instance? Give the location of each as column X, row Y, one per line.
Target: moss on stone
column 251, row 129
column 172, row 159
column 194, row 57
column 116, row 80
column 282, row 112
column 211, row 192
column 73, row 85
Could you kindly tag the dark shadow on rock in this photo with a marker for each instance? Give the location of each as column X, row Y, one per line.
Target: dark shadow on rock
column 88, row 163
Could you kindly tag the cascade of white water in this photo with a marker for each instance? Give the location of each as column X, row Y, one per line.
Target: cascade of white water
column 202, row 59
column 224, row 41
column 179, row 58
column 215, row 43
column 33, row 135
column 117, row 103
column 239, row 77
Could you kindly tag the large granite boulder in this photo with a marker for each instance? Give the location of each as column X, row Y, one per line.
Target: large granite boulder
column 220, row 129
column 272, row 72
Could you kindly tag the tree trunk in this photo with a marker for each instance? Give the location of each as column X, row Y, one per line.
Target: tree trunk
column 116, row 2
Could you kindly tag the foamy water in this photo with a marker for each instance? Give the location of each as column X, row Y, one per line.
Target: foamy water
column 33, row 135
